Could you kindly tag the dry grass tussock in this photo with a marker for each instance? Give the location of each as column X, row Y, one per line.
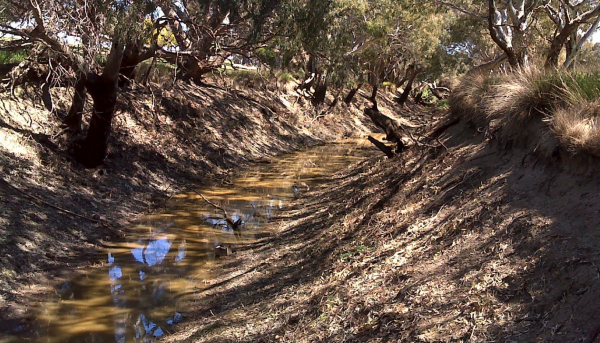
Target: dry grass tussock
column 516, row 105
column 577, row 127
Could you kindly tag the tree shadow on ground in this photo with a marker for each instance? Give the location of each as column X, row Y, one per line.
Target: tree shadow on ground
column 161, row 143
column 478, row 244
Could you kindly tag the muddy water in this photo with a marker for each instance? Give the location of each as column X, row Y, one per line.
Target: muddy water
column 148, row 280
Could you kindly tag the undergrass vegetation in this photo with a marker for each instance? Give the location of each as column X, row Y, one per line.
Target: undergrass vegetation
column 566, row 103
column 9, row 57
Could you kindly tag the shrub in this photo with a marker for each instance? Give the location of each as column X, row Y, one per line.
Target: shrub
column 565, row 103
column 9, row 57
column 286, row 77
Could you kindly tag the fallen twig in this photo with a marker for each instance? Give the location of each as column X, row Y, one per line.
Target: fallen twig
column 234, row 224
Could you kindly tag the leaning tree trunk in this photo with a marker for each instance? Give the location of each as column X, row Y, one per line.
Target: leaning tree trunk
column 351, row 94
column 73, row 118
column 489, row 66
column 390, row 127
column 404, row 96
column 103, row 90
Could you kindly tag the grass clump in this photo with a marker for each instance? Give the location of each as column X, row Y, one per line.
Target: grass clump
column 564, row 103
column 576, row 127
column 286, row 77
column 10, row 57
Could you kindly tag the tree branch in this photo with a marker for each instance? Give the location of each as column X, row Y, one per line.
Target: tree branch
column 462, row 10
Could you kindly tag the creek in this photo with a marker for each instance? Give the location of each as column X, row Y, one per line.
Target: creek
column 147, row 281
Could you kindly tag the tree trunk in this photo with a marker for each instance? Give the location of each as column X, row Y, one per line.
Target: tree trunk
column 389, row 126
column 132, row 56
column 402, row 99
column 93, row 149
column 513, row 57
column 103, row 90
column 489, row 66
column 577, row 46
column 190, row 69
column 351, row 94
column 73, row 118
column 386, row 149
column 47, row 97
column 557, row 44
column 320, row 92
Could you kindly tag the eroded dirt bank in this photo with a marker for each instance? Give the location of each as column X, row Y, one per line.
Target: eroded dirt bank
column 56, row 215
column 466, row 243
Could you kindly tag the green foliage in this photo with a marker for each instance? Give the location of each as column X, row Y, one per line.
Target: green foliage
column 9, row 57
column 286, row 77
column 443, row 104
column 301, row 74
column 584, row 83
column 390, row 86
column 267, row 56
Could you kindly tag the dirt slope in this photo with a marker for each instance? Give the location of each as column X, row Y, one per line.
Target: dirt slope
column 472, row 243
column 55, row 215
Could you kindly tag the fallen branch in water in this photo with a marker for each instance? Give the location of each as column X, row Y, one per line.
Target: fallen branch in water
column 233, row 224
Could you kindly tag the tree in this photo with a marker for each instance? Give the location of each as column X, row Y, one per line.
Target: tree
column 519, row 27
column 209, row 32
column 104, row 28
column 101, row 41
column 568, row 17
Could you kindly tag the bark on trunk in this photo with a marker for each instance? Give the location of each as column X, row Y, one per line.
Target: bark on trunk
column 514, row 58
column 557, row 44
column 93, row 148
column 73, row 118
column 103, row 90
column 132, row 56
column 320, row 92
column 47, row 97
column 389, row 126
column 404, row 96
column 351, row 94
column 489, row 66
column 386, row 149
column 190, row 69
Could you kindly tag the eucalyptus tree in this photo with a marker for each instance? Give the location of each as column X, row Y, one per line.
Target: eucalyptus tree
column 519, row 27
column 347, row 43
column 575, row 22
column 208, row 32
column 98, row 41
column 102, row 28
column 509, row 23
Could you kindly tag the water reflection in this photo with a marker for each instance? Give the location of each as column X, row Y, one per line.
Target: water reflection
column 144, row 287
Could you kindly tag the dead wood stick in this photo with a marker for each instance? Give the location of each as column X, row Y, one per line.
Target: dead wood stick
column 234, row 224
column 437, row 132
column 211, row 203
column 50, row 205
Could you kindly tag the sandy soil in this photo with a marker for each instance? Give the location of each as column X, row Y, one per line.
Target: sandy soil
column 56, row 215
column 467, row 243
